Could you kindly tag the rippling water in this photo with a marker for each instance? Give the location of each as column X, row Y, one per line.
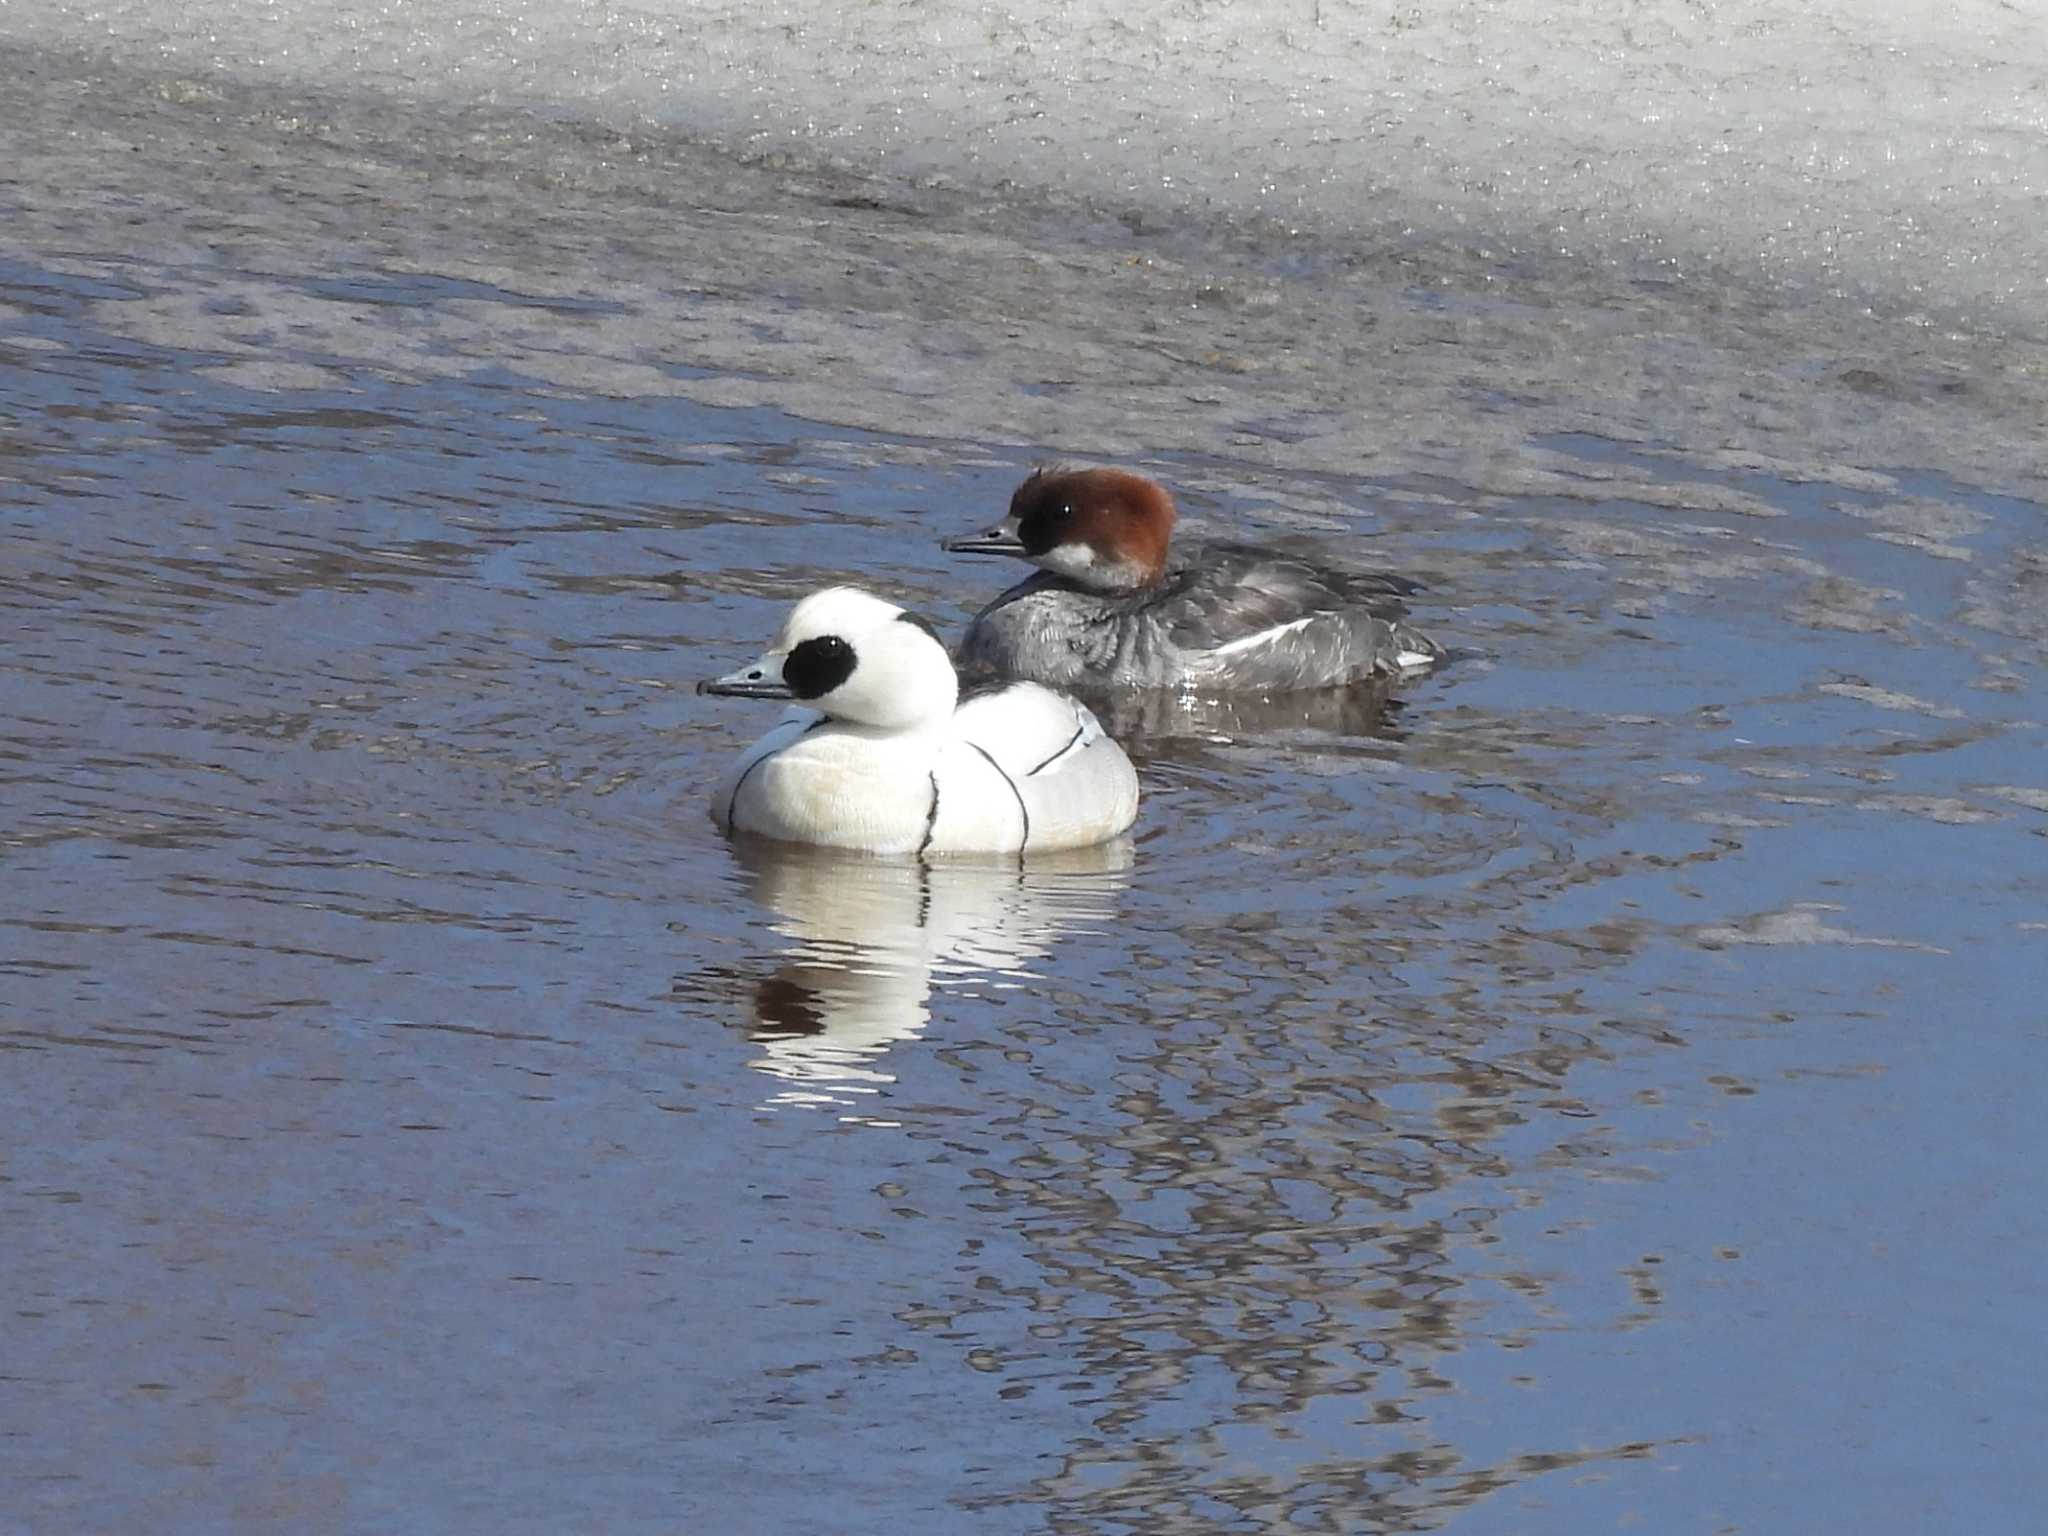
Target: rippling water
column 1592, row 1089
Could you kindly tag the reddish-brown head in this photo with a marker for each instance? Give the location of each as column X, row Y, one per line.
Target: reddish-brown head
column 1105, row 528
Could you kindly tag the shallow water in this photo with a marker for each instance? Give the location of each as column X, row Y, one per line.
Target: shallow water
column 1595, row 1090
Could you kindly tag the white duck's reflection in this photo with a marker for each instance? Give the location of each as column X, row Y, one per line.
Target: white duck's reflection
column 869, row 938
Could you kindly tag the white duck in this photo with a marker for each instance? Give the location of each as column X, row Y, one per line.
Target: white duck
column 888, row 757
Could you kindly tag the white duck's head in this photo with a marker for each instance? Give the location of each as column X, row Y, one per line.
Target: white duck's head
column 850, row 655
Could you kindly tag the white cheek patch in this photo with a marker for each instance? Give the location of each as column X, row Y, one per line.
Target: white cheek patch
column 1068, row 559
column 1093, row 569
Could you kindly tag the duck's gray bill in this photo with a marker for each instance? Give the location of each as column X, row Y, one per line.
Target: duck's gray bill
column 994, row 542
column 750, row 682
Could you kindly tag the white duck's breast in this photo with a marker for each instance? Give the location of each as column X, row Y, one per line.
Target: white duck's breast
column 833, row 785
column 725, row 799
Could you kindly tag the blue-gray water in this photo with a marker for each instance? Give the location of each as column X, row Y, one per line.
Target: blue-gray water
column 1598, row 1093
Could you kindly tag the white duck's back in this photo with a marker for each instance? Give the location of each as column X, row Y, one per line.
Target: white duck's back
column 1070, row 779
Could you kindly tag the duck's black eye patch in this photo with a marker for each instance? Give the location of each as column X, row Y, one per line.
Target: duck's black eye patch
column 1042, row 523
column 923, row 623
column 817, row 666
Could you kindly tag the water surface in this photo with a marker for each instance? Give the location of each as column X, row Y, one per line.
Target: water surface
column 1593, row 1091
